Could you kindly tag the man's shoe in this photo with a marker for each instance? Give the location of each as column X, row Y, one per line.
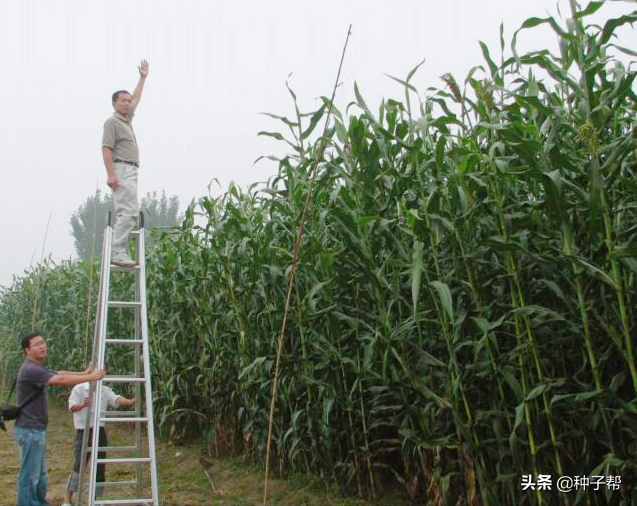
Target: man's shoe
column 123, row 260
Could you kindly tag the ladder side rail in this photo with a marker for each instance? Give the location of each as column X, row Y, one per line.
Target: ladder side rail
column 102, row 296
column 95, row 402
column 150, row 425
column 140, row 258
column 98, row 336
column 85, row 443
column 138, row 408
column 95, row 440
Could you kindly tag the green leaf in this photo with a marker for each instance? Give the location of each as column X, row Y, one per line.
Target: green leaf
column 595, row 271
column 612, row 24
column 341, row 131
column 492, row 66
column 281, row 118
column 276, row 135
column 406, row 84
column 416, row 272
column 257, row 361
column 591, row 8
column 316, row 117
column 584, row 396
column 440, row 152
column 361, row 102
column 444, row 294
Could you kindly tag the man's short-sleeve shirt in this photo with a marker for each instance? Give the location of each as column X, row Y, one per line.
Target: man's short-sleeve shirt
column 32, row 378
column 120, row 137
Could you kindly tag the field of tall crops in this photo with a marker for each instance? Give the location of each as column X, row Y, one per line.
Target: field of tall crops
column 464, row 310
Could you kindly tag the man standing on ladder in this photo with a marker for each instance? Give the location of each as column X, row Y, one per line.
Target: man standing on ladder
column 121, row 159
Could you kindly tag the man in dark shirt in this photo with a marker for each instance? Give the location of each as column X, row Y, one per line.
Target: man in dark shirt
column 30, row 427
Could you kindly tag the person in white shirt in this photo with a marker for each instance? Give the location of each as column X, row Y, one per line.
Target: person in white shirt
column 79, row 400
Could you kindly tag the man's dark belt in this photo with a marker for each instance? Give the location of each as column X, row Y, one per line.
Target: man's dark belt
column 126, row 162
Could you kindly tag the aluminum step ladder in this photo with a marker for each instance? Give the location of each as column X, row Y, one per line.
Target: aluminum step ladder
column 136, row 460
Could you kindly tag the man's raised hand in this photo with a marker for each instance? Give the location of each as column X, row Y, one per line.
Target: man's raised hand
column 143, row 68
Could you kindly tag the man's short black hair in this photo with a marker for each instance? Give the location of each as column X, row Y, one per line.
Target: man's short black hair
column 117, row 93
column 25, row 339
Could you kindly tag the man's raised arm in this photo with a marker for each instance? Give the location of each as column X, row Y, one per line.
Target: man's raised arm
column 137, row 94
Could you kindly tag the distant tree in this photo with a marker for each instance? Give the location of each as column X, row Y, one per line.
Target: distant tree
column 89, row 221
column 160, row 212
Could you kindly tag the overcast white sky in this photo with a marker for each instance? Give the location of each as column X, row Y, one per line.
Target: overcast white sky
column 214, row 67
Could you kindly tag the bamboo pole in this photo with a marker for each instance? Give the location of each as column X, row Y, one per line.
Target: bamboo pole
column 36, row 298
column 295, row 263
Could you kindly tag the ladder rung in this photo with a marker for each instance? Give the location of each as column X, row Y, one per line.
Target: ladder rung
column 132, row 460
column 116, row 414
column 132, row 502
column 120, row 268
column 123, row 379
column 112, row 449
column 123, row 341
column 128, row 419
column 113, row 484
column 124, row 304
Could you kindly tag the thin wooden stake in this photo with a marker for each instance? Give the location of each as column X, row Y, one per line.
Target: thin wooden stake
column 295, row 263
column 36, row 298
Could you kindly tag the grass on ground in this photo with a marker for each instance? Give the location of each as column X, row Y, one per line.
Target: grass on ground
column 185, row 478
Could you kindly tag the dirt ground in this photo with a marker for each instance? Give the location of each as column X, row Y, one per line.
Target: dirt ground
column 185, row 477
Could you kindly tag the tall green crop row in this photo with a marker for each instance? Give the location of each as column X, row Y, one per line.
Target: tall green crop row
column 463, row 310
column 52, row 298
column 59, row 300
column 463, row 313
